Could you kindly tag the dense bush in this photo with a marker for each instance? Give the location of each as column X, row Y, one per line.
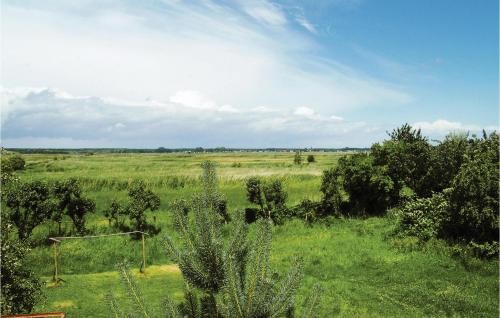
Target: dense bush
column 407, row 158
column 270, row 196
column 297, row 158
column 371, row 191
column 473, row 195
column 423, row 217
column 447, row 159
column 20, row 288
column 311, row 159
column 466, row 211
column 13, row 162
column 332, row 189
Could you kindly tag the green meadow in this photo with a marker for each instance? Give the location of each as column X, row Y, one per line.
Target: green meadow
column 364, row 271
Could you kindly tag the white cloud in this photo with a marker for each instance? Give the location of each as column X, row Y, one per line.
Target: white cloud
column 138, row 53
column 69, row 120
column 185, row 66
column 306, row 24
column 443, row 127
column 265, row 11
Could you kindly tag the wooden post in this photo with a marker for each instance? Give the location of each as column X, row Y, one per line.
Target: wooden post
column 143, row 268
column 56, row 278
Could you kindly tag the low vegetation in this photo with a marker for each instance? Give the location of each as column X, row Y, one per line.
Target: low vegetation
column 409, row 228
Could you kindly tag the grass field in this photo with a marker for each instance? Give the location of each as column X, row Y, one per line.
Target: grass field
column 364, row 272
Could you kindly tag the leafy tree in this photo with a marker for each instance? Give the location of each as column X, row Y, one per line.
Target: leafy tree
column 311, row 159
column 141, row 200
column 448, row 156
column 474, row 193
column 30, row 204
column 371, row 191
column 466, row 210
column 230, row 279
column 332, row 189
column 115, row 212
column 297, row 159
column 407, row 134
column 254, row 191
column 270, row 196
column 407, row 157
column 21, row 290
column 72, row 203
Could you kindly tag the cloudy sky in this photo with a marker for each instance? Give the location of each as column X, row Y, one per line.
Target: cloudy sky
column 173, row 73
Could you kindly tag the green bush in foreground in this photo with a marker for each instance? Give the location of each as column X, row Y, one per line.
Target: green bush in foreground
column 467, row 211
column 232, row 279
column 20, row 288
column 423, row 217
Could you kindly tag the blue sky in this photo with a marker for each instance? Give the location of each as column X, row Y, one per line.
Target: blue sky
column 251, row 73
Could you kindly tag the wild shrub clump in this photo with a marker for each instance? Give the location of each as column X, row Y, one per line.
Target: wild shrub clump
column 21, row 290
column 270, row 197
column 424, row 218
column 141, row 199
column 466, row 211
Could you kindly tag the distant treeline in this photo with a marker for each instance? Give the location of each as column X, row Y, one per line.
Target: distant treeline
column 91, row 151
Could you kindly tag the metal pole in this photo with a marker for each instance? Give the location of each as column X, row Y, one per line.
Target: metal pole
column 56, row 278
column 143, row 269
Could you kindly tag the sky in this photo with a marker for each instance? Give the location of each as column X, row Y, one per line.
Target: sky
column 253, row 73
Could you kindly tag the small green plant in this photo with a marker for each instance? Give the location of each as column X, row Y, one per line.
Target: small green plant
column 297, row 158
column 115, row 213
column 311, row 159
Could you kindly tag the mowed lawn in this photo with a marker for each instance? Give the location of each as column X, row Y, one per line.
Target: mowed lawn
column 364, row 272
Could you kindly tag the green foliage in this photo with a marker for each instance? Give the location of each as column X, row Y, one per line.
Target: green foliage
column 311, row 159
column 230, row 279
column 270, row 196
column 254, row 191
column 447, row 159
column 30, row 204
column 236, row 279
column 407, row 158
column 474, row 195
column 308, row 210
column 141, row 200
column 297, row 158
column 21, row 290
column 72, row 203
column 331, row 187
column 423, row 217
column 13, row 162
column 371, row 191
column 467, row 210
column 115, row 213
